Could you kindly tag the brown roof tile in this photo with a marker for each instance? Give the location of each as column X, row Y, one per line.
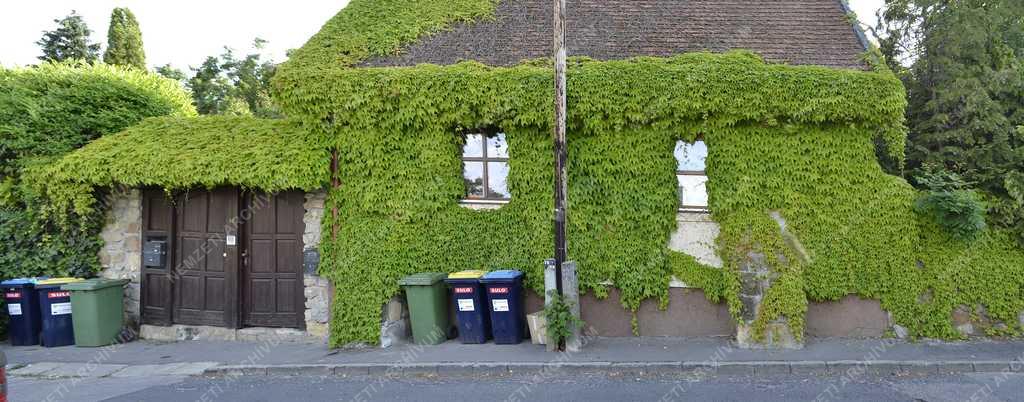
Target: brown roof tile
column 809, row 32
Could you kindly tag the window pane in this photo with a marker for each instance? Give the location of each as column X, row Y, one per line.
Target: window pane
column 473, row 174
column 692, row 190
column 497, row 175
column 474, row 147
column 496, row 146
column 691, row 157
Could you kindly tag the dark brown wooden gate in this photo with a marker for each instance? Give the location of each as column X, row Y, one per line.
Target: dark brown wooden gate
column 206, row 257
column 234, row 259
column 272, row 290
column 157, row 226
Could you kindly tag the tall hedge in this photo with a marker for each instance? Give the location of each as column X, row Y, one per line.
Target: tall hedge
column 47, row 111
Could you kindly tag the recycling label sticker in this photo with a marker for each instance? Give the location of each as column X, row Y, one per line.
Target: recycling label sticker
column 499, row 304
column 14, row 309
column 466, row 305
column 60, row 308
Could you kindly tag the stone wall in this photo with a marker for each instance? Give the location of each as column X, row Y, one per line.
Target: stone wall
column 318, row 290
column 121, row 255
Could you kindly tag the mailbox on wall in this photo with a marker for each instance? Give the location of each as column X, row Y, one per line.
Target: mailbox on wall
column 154, row 253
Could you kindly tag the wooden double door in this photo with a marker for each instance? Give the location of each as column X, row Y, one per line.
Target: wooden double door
column 233, row 259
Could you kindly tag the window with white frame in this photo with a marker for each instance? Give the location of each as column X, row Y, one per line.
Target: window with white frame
column 485, row 167
column 690, row 171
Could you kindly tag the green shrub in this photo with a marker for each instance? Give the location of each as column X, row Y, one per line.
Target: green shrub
column 45, row 112
column 559, row 318
column 950, row 201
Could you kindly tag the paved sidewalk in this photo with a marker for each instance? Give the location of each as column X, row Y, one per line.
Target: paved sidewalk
column 600, row 355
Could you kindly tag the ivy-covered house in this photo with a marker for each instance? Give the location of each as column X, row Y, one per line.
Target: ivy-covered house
column 723, row 179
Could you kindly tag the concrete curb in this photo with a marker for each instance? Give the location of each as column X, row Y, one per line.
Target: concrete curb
column 531, row 369
column 97, row 370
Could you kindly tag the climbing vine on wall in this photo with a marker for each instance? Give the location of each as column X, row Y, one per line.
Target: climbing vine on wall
column 179, row 153
column 793, row 142
column 397, row 140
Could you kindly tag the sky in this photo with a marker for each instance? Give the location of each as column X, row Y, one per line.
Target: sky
column 184, row 32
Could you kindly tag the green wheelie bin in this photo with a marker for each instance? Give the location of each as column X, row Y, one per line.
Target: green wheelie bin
column 427, row 296
column 98, row 306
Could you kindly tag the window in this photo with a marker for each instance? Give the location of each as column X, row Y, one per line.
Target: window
column 485, row 167
column 690, row 159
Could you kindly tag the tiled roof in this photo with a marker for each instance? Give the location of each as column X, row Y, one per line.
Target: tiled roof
column 806, row 32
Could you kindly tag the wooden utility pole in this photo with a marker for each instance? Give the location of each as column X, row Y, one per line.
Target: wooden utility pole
column 559, row 136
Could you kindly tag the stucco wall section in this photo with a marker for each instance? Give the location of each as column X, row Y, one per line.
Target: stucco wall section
column 849, row 317
column 121, row 255
column 695, row 235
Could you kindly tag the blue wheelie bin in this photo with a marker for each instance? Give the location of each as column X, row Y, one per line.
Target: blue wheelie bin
column 23, row 310
column 55, row 311
column 505, row 302
column 470, row 311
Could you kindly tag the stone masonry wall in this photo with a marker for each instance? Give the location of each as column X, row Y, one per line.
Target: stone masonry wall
column 121, row 255
column 318, row 290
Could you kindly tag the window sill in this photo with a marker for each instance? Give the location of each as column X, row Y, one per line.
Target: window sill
column 482, row 205
column 702, row 210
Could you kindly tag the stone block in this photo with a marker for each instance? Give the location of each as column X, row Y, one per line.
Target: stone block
column 750, row 306
column 777, row 335
column 900, row 331
column 317, row 330
column 133, row 245
column 157, row 333
column 395, row 309
column 112, row 236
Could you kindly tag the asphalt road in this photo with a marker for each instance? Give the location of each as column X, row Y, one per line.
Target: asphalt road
column 968, row 387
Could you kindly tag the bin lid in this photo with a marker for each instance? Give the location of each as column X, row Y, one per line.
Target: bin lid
column 422, row 279
column 94, row 284
column 19, row 282
column 58, row 281
column 472, row 274
column 508, row 274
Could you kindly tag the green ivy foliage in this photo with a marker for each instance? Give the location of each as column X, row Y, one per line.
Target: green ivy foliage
column 401, row 173
column 179, row 153
column 796, row 142
column 46, row 111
